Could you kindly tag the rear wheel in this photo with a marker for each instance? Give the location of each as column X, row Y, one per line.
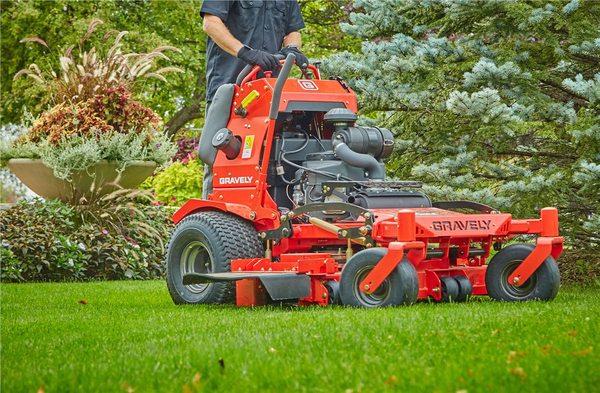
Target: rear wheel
column 400, row 287
column 206, row 242
column 542, row 285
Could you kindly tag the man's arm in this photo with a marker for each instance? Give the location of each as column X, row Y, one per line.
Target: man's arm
column 220, row 34
column 291, row 44
column 294, row 38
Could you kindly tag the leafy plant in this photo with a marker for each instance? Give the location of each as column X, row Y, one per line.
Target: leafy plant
column 77, row 153
column 118, row 237
column 95, row 116
column 178, row 183
column 112, row 110
column 83, row 77
column 10, row 269
column 187, row 149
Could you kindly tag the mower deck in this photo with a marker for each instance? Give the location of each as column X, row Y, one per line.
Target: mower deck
column 439, row 243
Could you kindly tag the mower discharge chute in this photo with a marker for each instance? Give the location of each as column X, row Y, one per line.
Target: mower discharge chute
column 300, row 211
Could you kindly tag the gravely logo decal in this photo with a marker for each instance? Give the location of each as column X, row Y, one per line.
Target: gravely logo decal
column 307, row 84
column 236, row 180
column 461, row 225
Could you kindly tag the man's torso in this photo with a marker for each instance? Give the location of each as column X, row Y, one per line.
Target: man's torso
column 260, row 24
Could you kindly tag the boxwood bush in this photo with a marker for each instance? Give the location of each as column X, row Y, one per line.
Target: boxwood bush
column 53, row 241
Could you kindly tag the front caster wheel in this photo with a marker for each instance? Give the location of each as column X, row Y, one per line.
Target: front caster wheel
column 542, row 285
column 206, row 242
column 400, row 287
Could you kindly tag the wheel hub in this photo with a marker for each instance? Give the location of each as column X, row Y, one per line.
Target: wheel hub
column 195, row 258
column 518, row 291
column 374, row 298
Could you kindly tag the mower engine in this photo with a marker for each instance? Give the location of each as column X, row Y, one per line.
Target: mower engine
column 347, row 167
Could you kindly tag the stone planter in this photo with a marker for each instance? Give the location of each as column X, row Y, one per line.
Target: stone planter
column 99, row 179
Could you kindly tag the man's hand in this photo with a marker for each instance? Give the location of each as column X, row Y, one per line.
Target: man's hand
column 301, row 59
column 266, row 61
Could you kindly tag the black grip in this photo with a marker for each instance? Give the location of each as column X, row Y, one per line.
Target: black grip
column 244, row 73
column 246, row 70
column 285, row 71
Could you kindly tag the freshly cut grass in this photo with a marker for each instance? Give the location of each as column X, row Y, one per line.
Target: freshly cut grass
column 128, row 336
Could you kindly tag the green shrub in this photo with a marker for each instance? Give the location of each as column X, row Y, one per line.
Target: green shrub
column 10, row 267
column 178, row 183
column 52, row 241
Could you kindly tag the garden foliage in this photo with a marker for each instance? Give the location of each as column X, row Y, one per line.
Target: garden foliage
column 178, row 183
column 95, row 116
column 182, row 180
column 492, row 101
column 118, row 237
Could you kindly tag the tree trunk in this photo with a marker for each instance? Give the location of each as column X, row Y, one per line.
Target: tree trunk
column 185, row 114
column 193, row 111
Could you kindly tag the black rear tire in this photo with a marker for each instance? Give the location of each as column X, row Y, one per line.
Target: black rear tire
column 401, row 287
column 542, row 285
column 206, row 242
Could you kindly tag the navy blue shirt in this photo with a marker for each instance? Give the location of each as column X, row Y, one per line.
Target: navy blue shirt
column 260, row 24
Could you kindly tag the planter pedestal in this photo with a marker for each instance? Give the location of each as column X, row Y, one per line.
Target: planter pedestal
column 99, row 179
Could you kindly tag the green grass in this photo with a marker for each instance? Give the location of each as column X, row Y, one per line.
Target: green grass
column 130, row 336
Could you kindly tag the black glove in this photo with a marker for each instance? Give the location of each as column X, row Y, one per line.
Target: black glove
column 301, row 59
column 266, row 61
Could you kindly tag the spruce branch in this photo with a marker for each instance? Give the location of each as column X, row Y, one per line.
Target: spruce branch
column 581, row 100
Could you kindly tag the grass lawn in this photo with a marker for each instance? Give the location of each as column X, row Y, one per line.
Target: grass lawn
column 130, row 337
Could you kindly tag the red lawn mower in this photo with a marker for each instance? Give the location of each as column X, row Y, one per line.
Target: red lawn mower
column 300, row 212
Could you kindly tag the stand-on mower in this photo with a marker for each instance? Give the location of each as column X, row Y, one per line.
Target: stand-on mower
column 300, row 212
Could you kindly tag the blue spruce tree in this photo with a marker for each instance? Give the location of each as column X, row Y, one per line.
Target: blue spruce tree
column 493, row 101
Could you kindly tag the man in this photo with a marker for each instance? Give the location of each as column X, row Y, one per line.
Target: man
column 247, row 32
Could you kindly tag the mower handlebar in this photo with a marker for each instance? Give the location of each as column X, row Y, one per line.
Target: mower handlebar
column 285, row 71
column 250, row 71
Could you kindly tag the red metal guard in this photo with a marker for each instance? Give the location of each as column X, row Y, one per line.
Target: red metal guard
column 548, row 244
column 545, row 247
column 395, row 254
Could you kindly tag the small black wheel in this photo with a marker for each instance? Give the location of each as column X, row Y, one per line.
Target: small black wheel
column 333, row 289
column 206, row 242
column 400, row 287
column 450, row 289
column 464, row 288
column 542, row 285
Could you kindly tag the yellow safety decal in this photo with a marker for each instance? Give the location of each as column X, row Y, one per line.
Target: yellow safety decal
column 253, row 95
column 248, row 144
